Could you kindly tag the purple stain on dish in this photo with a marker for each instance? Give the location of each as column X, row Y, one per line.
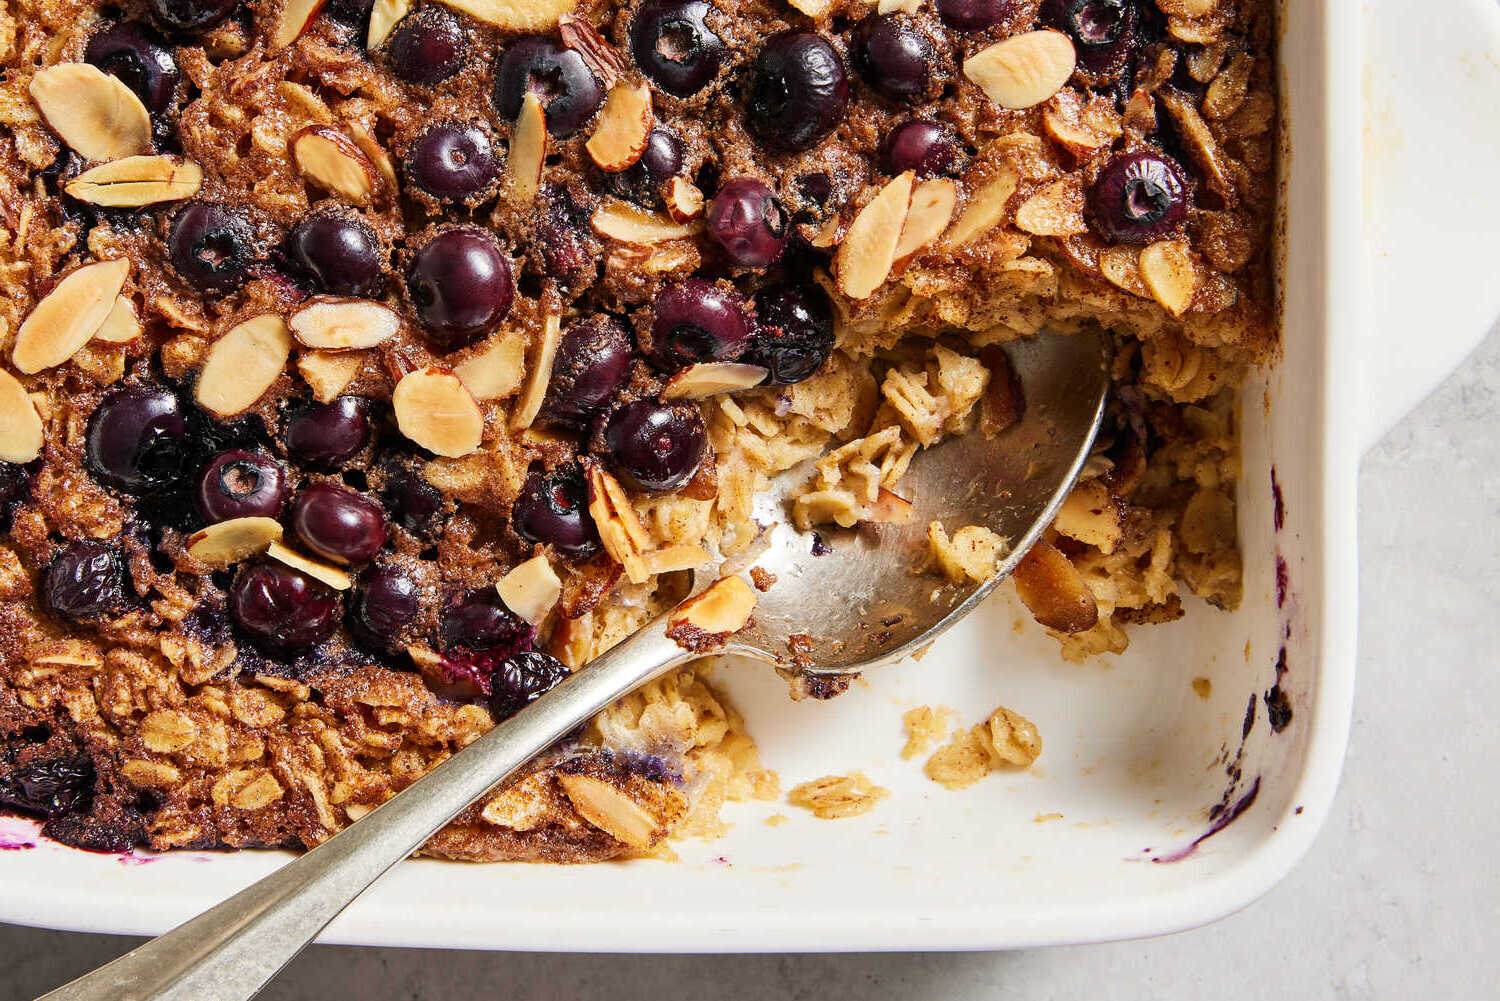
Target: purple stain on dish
column 136, row 858
column 1281, row 581
column 1222, row 818
column 1249, row 723
column 1278, row 709
column 721, row 860
column 9, row 844
column 819, row 547
column 1278, row 503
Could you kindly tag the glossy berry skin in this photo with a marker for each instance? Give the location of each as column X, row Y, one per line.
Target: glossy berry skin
column 190, row 17
column 1138, row 198
column 385, row 604
column 211, row 247
column 794, row 332
column 1102, row 31
column 327, row 435
column 798, row 91
column 454, row 162
column 414, row 503
column 461, row 286
column 15, row 489
column 697, row 321
column 133, row 52
column 642, row 181
column 336, row 254
column 281, row 609
column 479, row 620
column 973, row 15
column 892, row 56
column 338, row 524
column 84, row 581
column 560, row 78
column 136, row 439
column 591, row 365
column 748, row 223
column 50, row 787
column 521, row 679
column 673, row 45
column 241, row 484
column 552, row 509
column 655, row 445
column 930, row 149
column 427, row 47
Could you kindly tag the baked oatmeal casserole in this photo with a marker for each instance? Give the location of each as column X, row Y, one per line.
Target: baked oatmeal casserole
column 365, row 367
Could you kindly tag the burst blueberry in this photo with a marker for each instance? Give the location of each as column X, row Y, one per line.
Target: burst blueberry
column 241, row 484
column 211, row 247
column 84, row 581
column 674, row 46
column 561, row 79
column 798, row 91
column 794, row 332
column 552, row 509
column 1138, row 198
column 748, row 223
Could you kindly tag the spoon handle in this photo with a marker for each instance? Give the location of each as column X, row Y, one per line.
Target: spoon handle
column 228, row 953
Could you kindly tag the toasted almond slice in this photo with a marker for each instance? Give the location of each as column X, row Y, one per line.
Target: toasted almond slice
column 517, row 15
column 136, row 181
column 724, row 608
column 891, row 6
column 531, row 589
column 1023, row 70
column 301, row 99
column 384, row 16
column 434, row 410
column 812, row 8
column 889, row 509
column 340, row 324
column 684, row 200
column 1121, row 265
column 620, row 528
column 528, row 150
column 540, row 376
column 296, row 15
column 1187, row 8
column 121, row 326
column 69, row 315
column 711, row 378
column 863, row 261
column 371, row 148
column 985, row 210
column 932, row 204
column 610, row 810
column 328, row 372
column 496, row 370
column 1168, row 270
column 582, row 37
column 669, row 559
column 624, row 125
column 332, row 576
column 330, row 160
column 1050, row 586
column 624, row 222
column 242, row 365
column 91, row 111
column 1054, row 210
column 227, row 542
column 829, row 233
column 20, row 424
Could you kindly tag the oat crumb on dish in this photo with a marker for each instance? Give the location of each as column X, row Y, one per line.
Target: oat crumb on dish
column 925, row 726
column 834, row 797
column 1005, row 740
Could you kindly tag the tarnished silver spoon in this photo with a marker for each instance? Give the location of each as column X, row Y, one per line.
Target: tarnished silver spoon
column 858, row 605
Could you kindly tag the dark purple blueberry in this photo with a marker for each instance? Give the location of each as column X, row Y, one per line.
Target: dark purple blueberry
column 327, row 435
column 338, row 523
column 454, row 162
column 211, row 247
column 479, row 620
column 50, row 786
column 282, row 609
column 461, row 286
column 241, row 484
column 674, row 46
column 386, row 603
column 794, row 332
column 697, row 321
column 85, row 580
column 414, row 503
column 560, row 78
column 748, row 223
column 15, row 484
column 563, row 239
column 354, row 13
column 1102, row 30
column 427, row 47
column 973, row 15
column 642, row 181
column 522, row 679
column 136, row 439
column 655, row 445
column 1138, row 197
column 929, row 148
column 552, row 509
column 337, row 254
column 591, row 365
column 191, row 17
column 798, row 91
column 136, row 54
column 894, row 57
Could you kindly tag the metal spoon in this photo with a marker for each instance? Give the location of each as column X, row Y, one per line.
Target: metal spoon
column 858, row 606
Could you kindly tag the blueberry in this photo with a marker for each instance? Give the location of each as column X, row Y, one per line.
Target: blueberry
column 241, row 484
column 461, row 286
column 929, row 148
column 414, row 503
column 191, row 17
column 338, row 523
column 15, row 489
column 211, row 247
column 973, row 15
column 642, row 181
column 282, row 609
column 521, row 679
column 327, row 435
column 798, row 91
column 1138, row 197
column 563, row 239
column 140, row 59
column 552, row 509
column 85, row 580
column 427, row 47
column 748, row 223
column 354, row 13
column 1102, row 31
column 655, row 445
column 50, row 786
column 454, row 162
column 674, row 46
column 479, row 620
column 794, row 332
column 892, row 56
column 137, row 439
column 696, row 321
column 337, row 254
column 591, row 365
column 386, row 602
column 560, row 78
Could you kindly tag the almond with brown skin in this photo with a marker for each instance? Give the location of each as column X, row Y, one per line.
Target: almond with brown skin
column 1169, row 272
column 516, row 15
column 225, row 543
column 20, row 424
column 243, row 364
column 1023, row 70
column 603, row 58
column 620, row 528
column 540, row 374
column 724, row 608
column 333, row 324
column 932, row 205
column 69, row 315
column 434, row 410
column 528, row 151
column 864, row 259
column 136, row 181
column 623, row 127
column 93, row 112
column 327, row 373
column 684, row 200
column 624, row 222
column 1051, row 587
column 296, row 15
column 610, row 810
column 334, row 163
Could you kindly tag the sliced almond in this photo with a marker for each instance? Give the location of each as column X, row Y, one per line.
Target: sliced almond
column 863, row 261
column 724, row 608
column 330, row 160
column 343, row 324
column 892, row 6
column 528, row 151
column 1054, row 210
column 610, row 810
column 932, row 204
column 496, row 370
column 985, row 210
column 812, row 8
column 670, row 559
column 332, row 576
column 94, row 113
column 384, row 15
column 711, row 378
column 69, row 315
column 1187, row 8
column 624, row 125
column 1051, row 587
column 531, row 589
column 434, row 410
column 540, row 375
column 1168, row 270
column 684, row 200
column 225, row 543
column 1023, row 70
column 516, row 15
column 603, row 58
column 624, row 222
column 371, row 148
column 829, row 233
column 620, row 529
column 20, row 424
column 136, row 181
column 327, row 373
column 121, row 326
column 890, row 509
column 296, row 15
column 243, row 364
column 1121, row 265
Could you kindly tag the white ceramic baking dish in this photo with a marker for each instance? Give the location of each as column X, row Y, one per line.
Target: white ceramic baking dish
column 1076, row 849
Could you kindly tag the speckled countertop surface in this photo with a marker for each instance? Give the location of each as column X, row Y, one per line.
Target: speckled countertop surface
column 1399, row 897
